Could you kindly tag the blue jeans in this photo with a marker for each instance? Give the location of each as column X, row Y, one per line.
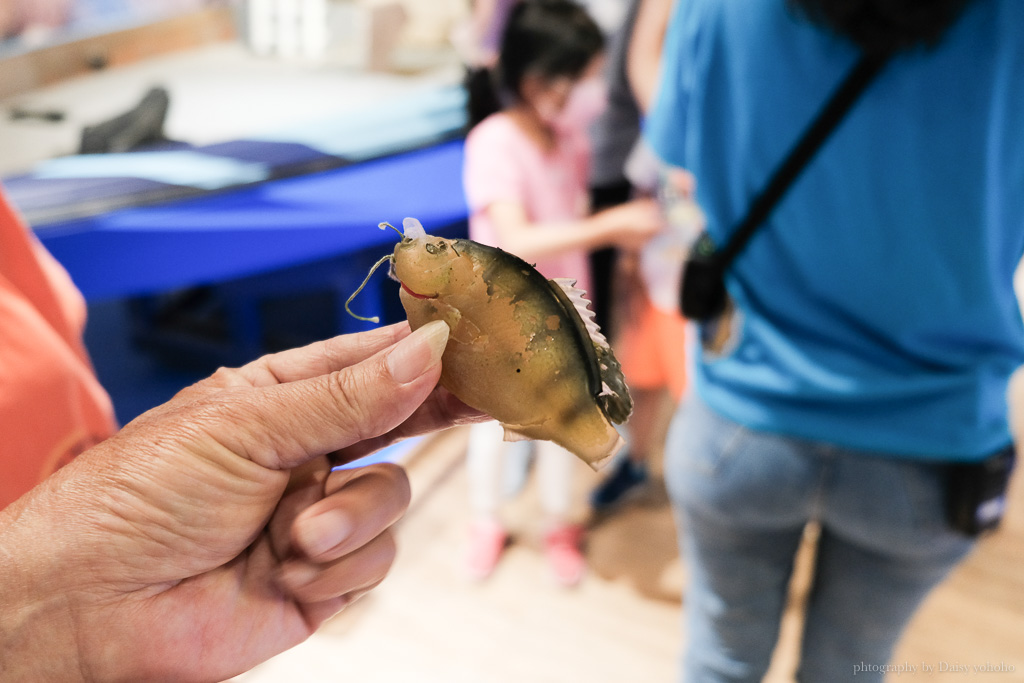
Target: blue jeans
column 742, row 499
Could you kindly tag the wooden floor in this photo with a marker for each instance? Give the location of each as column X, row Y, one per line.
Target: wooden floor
column 427, row 624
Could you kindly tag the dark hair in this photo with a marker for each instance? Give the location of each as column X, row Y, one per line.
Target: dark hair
column 884, row 25
column 546, row 38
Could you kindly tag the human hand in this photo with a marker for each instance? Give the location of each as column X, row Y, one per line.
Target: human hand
column 629, row 226
column 209, row 534
column 682, row 182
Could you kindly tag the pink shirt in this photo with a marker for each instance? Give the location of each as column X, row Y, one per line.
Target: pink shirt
column 503, row 164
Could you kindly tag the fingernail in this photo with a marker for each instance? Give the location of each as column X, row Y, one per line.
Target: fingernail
column 319, row 534
column 417, row 352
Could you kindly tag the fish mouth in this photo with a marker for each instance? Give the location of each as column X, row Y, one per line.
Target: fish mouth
column 418, row 296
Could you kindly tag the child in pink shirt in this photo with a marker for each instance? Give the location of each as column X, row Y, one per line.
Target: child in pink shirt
column 504, row 167
column 525, row 177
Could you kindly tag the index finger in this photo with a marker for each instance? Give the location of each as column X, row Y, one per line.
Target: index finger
column 441, row 410
column 321, row 358
column 287, row 424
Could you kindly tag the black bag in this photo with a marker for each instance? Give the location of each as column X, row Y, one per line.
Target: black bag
column 976, row 493
column 702, row 295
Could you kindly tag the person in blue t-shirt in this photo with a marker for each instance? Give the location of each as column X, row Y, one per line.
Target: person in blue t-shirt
column 875, row 325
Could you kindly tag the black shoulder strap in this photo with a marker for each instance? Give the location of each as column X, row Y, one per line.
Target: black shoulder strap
column 827, row 120
column 703, row 289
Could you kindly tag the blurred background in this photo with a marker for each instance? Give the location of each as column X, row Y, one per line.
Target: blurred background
column 143, row 141
column 212, row 173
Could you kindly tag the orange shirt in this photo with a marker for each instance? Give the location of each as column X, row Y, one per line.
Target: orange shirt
column 52, row 407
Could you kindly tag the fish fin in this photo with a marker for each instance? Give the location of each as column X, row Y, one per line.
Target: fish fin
column 617, row 446
column 413, row 229
column 607, row 383
column 578, row 298
column 511, row 435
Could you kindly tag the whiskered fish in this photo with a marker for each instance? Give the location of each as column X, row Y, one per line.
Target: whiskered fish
column 522, row 348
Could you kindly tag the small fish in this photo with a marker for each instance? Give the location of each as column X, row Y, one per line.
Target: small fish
column 522, row 348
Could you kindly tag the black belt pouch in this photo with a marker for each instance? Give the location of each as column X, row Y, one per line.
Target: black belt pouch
column 976, row 493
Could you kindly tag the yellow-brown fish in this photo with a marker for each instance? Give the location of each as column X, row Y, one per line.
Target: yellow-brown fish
column 522, row 348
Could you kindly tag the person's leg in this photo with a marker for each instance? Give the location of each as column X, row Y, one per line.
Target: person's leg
column 483, row 468
column 637, row 350
column 516, row 461
column 602, row 274
column 671, row 334
column 742, row 500
column 562, row 539
column 487, row 535
column 602, row 261
column 628, row 473
column 555, row 467
column 654, row 362
column 884, row 545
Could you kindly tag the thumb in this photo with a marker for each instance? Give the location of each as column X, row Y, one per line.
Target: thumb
column 288, row 424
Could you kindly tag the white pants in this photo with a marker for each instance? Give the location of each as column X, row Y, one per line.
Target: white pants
column 485, row 466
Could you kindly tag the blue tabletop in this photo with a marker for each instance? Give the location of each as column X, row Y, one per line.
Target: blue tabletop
column 260, row 227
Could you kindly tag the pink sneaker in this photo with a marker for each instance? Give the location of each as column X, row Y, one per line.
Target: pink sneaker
column 562, row 547
column 487, row 541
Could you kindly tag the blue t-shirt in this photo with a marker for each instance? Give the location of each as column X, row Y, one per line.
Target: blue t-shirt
column 877, row 304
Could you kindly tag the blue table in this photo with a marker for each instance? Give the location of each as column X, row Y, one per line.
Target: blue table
column 260, row 228
column 316, row 231
column 291, row 211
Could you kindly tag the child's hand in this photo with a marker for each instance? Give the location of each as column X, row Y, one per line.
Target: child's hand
column 682, row 182
column 632, row 224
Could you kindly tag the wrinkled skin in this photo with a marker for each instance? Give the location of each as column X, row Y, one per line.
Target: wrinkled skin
column 210, row 534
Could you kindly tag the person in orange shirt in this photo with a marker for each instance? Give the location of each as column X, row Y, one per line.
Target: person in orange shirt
column 52, row 406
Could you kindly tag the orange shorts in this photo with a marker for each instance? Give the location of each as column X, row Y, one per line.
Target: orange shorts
column 652, row 348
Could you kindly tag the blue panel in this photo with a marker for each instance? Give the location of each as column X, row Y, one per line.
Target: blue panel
column 259, row 228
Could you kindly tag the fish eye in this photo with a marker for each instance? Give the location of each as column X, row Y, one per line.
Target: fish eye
column 431, row 249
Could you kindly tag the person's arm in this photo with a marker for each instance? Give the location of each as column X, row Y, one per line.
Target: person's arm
column 644, row 56
column 628, row 225
column 487, row 22
column 210, row 533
